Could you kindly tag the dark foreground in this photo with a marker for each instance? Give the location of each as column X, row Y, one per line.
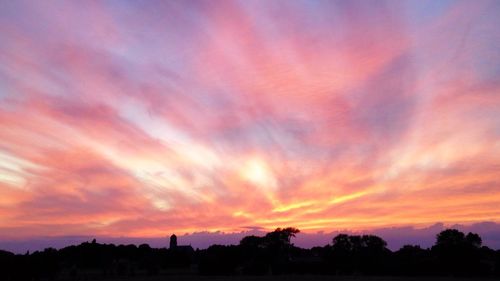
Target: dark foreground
column 271, row 257
column 295, row 278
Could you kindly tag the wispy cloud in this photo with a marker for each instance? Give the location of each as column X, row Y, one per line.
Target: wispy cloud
column 141, row 118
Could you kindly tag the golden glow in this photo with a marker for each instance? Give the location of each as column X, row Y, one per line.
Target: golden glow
column 241, row 118
column 258, row 173
column 284, row 208
column 348, row 197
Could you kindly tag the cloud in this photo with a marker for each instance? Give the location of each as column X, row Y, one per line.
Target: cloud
column 186, row 117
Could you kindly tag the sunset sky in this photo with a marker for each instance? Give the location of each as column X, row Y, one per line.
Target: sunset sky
column 143, row 118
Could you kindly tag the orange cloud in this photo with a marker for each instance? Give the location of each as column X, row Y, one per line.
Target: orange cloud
column 188, row 117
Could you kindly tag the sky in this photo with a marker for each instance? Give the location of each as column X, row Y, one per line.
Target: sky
column 145, row 118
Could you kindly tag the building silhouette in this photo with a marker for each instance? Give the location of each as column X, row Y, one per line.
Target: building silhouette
column 179, row 248
column 173, row 241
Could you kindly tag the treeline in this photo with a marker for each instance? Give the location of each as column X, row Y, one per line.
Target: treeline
column 454, row 253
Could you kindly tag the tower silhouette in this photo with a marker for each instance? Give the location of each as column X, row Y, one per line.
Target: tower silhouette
column 173, row 241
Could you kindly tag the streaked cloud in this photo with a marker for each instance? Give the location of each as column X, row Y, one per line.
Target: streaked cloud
column 139, row 119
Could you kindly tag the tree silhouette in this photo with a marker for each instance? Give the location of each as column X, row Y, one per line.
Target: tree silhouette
column 274, row 253
column 252, row 242
column 280, row 238
column 342, row 242
column 366, row 253
column 457, row 253
column 450, row 238
column 473, row 239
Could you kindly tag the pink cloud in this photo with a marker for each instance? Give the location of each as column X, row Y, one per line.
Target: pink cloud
column 194, row 117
